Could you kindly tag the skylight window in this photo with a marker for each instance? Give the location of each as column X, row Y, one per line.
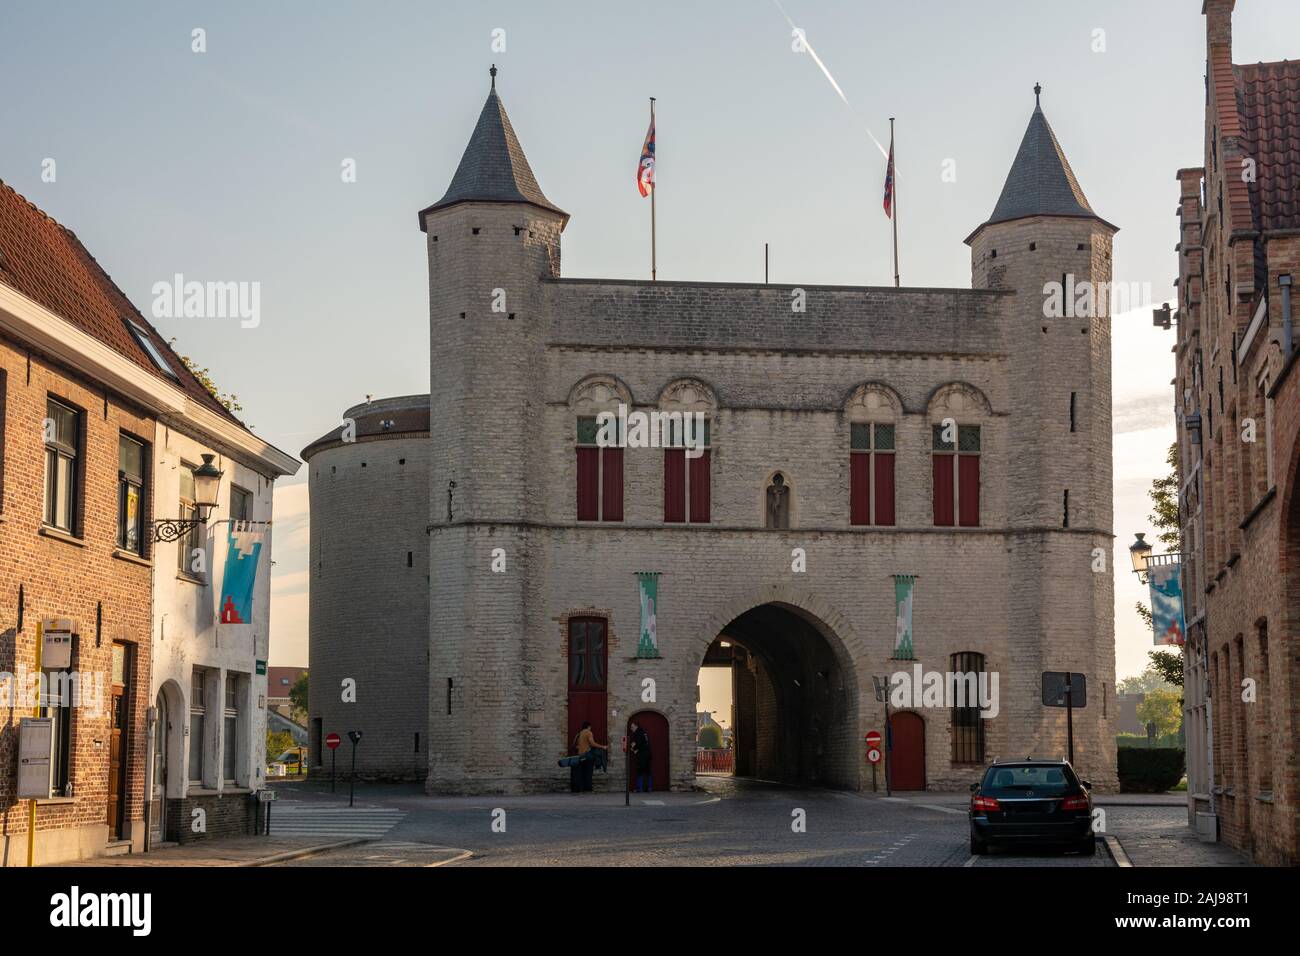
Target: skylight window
column 146, row 343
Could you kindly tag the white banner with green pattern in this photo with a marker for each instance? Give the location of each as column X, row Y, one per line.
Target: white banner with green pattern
column 904, row 585
column 648, row 586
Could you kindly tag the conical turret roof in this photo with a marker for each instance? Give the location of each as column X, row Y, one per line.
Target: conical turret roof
column 494, row 167
column 1041, row 182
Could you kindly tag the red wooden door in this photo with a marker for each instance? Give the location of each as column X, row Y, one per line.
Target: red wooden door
column 908, row 753
column 656, row 727
column 588, row 669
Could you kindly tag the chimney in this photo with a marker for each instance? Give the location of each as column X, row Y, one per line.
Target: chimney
column 1218, row 22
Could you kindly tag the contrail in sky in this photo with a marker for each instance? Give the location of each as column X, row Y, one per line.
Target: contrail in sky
column 822, row 66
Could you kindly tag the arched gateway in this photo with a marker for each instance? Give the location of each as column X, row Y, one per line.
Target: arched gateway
column 794, row 713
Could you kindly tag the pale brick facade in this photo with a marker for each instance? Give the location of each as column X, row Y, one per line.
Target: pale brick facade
column 781, row 387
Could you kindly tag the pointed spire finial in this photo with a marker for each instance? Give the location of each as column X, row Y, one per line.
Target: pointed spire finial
column 1038, row 90
column 493, row 73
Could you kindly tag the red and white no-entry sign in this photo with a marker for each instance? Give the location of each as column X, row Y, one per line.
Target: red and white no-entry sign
column 873, row 746
column 332, row 741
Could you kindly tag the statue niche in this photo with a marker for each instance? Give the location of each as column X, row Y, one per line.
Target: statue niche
column 778, row 504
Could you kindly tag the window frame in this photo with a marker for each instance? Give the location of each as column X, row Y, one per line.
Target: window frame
column 59, row 454
column 963, row 662
column 954, row 450
column 125, row 483
column 230, row 717
column 146, row 342
column 873, row 453
column 199, row 710
column 247, row 498
column 191, row 540
column 675, row 445
column 587, row 654
column 605, row 454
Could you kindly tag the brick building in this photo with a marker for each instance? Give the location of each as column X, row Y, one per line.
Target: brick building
column 1238, row 412
column 95, row 411
column 870, row 456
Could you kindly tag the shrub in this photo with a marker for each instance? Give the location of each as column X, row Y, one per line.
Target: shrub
column 1147, row 770
column 710, row 737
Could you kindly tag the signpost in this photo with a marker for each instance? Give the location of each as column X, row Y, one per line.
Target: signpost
column 355, row 737
column 882, row 694
column 1069, row 690
column 332, row 741
column 627, row 776
column 874, row 753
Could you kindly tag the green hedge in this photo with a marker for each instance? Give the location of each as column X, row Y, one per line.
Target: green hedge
column 1135, row 740
column 1147, row 770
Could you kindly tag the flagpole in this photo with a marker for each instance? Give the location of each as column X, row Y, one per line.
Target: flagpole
column 653, row 190
column 894, row 198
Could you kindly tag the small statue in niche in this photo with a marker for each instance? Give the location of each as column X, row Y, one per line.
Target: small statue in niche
column 778, row 503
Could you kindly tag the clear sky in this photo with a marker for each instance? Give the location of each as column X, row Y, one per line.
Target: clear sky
column 225, row 166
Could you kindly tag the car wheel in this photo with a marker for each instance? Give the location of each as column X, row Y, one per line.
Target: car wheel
column 977, row 846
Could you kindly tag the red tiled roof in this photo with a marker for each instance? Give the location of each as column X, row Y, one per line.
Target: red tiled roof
column 47, row 263
column 1268, row 100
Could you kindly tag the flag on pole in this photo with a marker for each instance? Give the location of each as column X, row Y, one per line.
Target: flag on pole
column 645, row 171
column 889, row 181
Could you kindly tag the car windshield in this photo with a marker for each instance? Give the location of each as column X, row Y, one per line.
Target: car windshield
column 1039, row 780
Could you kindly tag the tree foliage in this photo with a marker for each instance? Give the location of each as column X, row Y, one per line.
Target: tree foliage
column 1162, row 708
column 710, row 737
column 231, row 401
column 298, row 696
column 277, row 742
column 1168, row 665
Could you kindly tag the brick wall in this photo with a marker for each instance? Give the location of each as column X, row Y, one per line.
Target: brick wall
column 79, row 577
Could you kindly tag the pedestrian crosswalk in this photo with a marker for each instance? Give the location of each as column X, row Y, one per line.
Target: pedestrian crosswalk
column 304, row 820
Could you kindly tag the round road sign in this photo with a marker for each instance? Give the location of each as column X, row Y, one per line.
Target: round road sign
column 332, row 741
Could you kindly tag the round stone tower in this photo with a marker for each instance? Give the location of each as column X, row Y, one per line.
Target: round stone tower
column 369, row 561
column 1045, row 243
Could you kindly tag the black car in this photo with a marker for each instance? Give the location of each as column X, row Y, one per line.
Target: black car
column 1031, row 803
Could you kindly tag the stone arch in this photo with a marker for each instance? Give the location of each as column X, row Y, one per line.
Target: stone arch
column 688, row 395
column 176, row 758
column 802, row 716
column 956, row 399
column 874, row 402
column 599, row 393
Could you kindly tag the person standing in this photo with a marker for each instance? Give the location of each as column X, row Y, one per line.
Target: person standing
column 586, row 743
column 642, row 754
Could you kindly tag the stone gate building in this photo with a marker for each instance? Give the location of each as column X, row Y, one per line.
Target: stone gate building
column 868, row 451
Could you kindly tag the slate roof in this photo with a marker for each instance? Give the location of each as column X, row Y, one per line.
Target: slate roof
column 493, row 167
column 47, row 263
column 1268, row 103
column 1041, row 182
column 392, row 418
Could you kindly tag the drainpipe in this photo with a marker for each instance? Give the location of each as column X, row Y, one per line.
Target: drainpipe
column 1285, row 283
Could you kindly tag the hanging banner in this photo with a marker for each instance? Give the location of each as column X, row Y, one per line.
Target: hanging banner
column 648, row 585
column 244, row 546
column 903, row 587
column 1167, row 604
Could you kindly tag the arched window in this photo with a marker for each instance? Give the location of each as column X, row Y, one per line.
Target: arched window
column 687, row 409
column 957, row 413
column 873, row 412
column 598, row 475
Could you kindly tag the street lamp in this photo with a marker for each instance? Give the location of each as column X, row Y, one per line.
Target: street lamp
column 1140, row 553
column 207, row 482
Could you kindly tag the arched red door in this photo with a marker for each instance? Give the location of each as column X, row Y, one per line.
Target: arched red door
column 656, row 727
column 908, row 753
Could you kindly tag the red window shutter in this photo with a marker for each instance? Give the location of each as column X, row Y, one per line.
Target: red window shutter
column 588, row 477
column 859, row 489
column 968, row 476
column 612, row 493
column 884, row 489
column 943, row 504
column 674, row 484
column 700, row 488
